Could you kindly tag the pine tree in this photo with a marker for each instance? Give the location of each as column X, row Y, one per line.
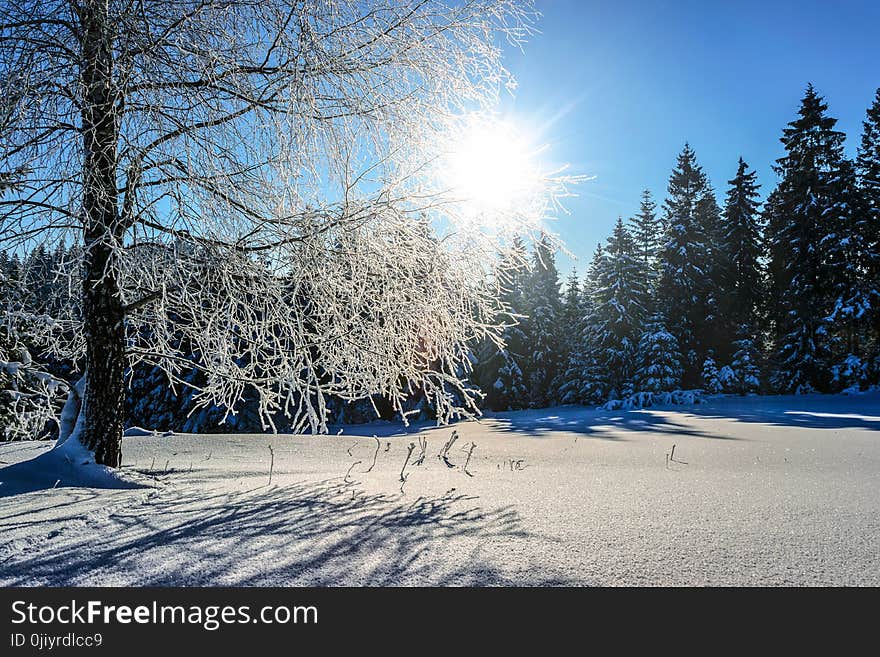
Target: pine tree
column 808, row 217
column 8, row 276
column 152, row 403
column 684, row 288
column 571, row 313
column 38, row 275
column 741, row 241
column 868, row 226
column 742, row 278
column 509, row 391
column 711, row 380
column 849, row 288
column 659, row 359
column 746, row 363
column 9, row 285
column 582, row 382
column 774, row 251
column 570, row 326
column 716, row 334
column 542, row 304
column 499, row 371
column 646, row 229
column 619, row 300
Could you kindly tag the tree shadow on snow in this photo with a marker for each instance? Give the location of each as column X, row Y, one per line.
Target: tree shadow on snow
column 318, row 534
column 591, row 423
column 812, row 411
column 804, row 411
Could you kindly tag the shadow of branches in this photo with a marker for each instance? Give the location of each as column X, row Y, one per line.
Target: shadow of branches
column 317, row 534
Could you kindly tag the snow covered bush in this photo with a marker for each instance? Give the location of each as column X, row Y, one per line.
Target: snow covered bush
column 647, row 399
column 509, row 390
column 745, row 366
column 727, row 379
column 710, row 376
column 851, row 374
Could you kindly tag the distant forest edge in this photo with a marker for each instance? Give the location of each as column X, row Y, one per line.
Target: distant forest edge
column 779, row 296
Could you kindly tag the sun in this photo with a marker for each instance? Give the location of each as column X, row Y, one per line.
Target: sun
column 492, row 168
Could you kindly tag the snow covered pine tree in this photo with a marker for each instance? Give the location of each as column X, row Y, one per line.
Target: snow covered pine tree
column 543, row 306
column 808, row 220
column 499, row 369
column 868, row 227
column 619, row 313
column 685, row 288
column 742, row 281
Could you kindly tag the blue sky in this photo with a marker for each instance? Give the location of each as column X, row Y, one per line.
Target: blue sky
column 618, row 87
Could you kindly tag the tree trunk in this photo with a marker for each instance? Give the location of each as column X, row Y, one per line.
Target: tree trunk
column 103, row 312
column 105, row 357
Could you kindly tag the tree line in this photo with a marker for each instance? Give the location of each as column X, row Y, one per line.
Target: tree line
column 749, row 297
column 746, row 297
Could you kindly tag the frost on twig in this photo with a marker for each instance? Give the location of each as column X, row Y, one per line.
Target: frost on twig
column 271, row 463
column 375, row 455
column 409, row 452
column 403, row 474
column 423, row 447
column 346, row 478
column 670, row 458
column 470, row 450
column 444, row 453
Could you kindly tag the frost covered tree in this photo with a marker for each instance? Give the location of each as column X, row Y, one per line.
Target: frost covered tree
column 619, row 309
column 808, row 216
column 30, row 393
column 257, row 177
column 30, row 396
column 659, row 359
column 32, row 383
column 685, row 285
column 543, row 306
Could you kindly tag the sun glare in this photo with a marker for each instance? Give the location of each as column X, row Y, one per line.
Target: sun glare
column 493, row 168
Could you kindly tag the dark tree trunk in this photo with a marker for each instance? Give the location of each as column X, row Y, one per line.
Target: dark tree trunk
column 105, row 357
column 103, row 312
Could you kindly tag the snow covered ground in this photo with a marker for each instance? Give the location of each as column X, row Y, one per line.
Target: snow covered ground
column 767, row 491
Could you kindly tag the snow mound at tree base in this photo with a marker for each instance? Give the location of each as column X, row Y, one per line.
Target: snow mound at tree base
column 648, row 399
column 66, row 464
column 139, row 431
